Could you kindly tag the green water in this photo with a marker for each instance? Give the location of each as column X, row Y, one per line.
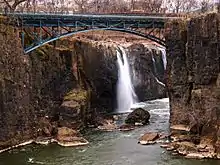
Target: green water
column 107, row 148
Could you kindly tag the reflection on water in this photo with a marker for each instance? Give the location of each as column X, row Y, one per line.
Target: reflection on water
column 107, row 148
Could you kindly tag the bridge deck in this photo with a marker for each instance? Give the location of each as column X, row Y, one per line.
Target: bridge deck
column 45, row 28
column 50, row 20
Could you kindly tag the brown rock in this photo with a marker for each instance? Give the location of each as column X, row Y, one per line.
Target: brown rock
column 68, row 137
column 149, row 138
column 185, row 147
column 195, row 155
column 126, row 127
column 108, row 125
column 66, row 132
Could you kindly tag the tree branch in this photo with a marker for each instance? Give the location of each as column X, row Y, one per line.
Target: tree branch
column 16, row 3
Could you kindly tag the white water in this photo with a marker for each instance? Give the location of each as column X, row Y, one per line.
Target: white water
column 126, row 96
column 155, row 70
column 164, row 57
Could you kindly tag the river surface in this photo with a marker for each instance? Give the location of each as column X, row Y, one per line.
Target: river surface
column 107, row 148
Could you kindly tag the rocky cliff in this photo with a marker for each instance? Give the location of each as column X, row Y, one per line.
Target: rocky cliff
column 148, row 71
column 193, row 77
column 32, row 88
column 101, row 71
column 17, row 115
column 65, row 84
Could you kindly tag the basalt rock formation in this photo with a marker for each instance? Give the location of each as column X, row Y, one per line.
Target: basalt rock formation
column 64, row 84
column 148, row 71
column 100, row 68
column 193, row 76
column 32, row 88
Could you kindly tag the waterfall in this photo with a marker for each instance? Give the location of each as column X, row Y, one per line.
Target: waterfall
column 126, row 96
column 155, row 68
column 164, row 57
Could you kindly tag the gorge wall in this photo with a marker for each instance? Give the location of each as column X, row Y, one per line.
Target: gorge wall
column 32, row 87
column 193, row 77
column 64, row 84
column 100, row 68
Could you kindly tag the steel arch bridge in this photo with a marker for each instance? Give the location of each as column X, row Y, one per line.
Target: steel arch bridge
column 40, row 29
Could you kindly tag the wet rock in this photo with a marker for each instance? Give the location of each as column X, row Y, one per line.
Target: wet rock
column 167, row 145
column 191, row 150
column 164, row 136
column 139, row 115
column 108, row 125
column 195, row 156
column 185, row 147
column 149, row 138
column 68, row 137
column 42, row 140
column 180, row 127
column 126, row 127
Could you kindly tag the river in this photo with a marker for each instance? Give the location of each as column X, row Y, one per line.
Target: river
column 107, row 148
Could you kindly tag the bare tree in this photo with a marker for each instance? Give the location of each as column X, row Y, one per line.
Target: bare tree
column 178, row 6
column 132, row 4
column 151, row 6
column 81, row 4
column 12, row 4
column 204, row 5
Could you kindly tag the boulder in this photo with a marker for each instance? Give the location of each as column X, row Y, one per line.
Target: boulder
column 139, row 115
column 149, row 138
column 69, row 137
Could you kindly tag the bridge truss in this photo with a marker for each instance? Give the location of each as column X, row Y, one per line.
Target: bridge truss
column 40, row 29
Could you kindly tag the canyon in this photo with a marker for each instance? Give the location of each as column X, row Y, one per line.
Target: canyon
column 66, row 84
column 71, row 83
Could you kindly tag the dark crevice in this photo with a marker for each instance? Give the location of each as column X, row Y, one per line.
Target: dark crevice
column 190, row 93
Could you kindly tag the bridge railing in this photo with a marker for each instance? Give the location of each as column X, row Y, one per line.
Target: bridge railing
column 6, row 11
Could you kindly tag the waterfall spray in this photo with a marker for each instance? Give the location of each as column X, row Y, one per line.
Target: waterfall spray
column 164, row 57
column 126, row 96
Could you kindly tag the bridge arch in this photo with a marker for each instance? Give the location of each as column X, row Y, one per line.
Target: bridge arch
column 58, row 26
column 129, row 31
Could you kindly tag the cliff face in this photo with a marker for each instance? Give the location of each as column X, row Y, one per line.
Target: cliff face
column 16, row 113
column 32, row 88
column 148, row 71
column 55, row 85
column 99, row 68
column 101, row 72
column 193, row 76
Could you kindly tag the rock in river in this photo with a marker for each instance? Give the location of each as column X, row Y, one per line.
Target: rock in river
column 68, row 137
column 126, row 127
column 149, row 138
column 139, row 115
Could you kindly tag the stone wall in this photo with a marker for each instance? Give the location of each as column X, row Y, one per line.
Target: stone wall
column 193, row 76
